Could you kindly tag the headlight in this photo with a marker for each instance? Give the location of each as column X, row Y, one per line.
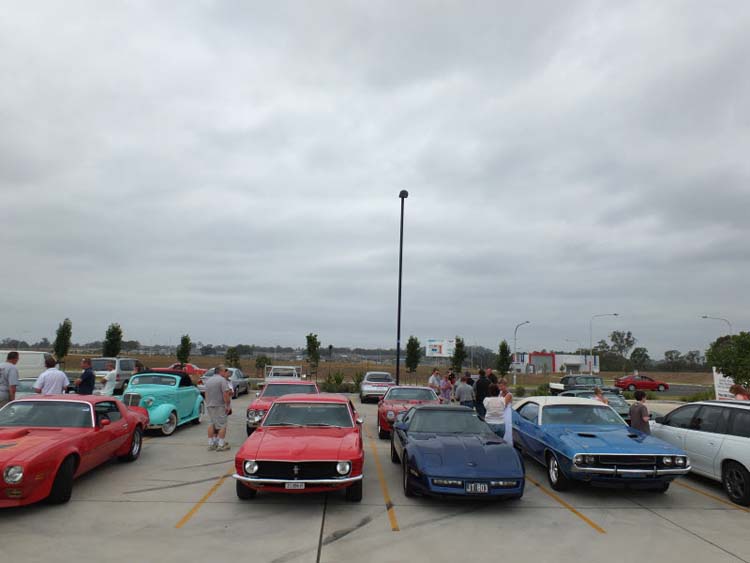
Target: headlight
column 390, row 415
column 667, row 460
column 13, row 474
column 343, row 467
column 590, row 460
column 579, row 459
column 680, row 461
column 148, row 401
column 250, row 414
column 251, row 467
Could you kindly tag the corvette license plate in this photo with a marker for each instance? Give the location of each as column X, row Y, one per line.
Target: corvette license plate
column 294, row 485
column 477, row 488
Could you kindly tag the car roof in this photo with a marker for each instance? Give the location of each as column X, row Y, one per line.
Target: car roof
column 726, row 402
column 92, row 399
column 557, row 400
column 307, row 398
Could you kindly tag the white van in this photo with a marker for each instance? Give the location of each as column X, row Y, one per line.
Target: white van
column 30, row 364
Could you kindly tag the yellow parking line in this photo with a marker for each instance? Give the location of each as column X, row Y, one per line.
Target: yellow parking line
column 714, row 497
column 185, row 519
column 381, row 477
column 566, row 505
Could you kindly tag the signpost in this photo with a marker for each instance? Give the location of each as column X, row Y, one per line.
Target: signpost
column 440, row 347
column 722, row 384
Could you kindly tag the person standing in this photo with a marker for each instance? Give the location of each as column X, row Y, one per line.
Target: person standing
column 494, row 407
column 219, row 405
column 8, row 378
column 639, row 416
column 491, row 376
column 739, row 392
column 52, row 381
column 445, row 389
column 85, row 383
column 507, row 410
column 434, row 381
column 110, row 380
column 464, row 393
column 481, row 391
column 599, row 396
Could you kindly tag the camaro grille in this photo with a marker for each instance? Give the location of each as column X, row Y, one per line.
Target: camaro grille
column 131, row 399
column 297, row 470
column 629, row 460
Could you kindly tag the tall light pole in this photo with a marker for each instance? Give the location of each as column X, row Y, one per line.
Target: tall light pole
column 731, row 331
column 591, row 337
column 403, row 194
column 515, row 359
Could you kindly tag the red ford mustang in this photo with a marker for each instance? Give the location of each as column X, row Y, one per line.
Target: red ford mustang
column 259, row 407
column 47, row 441
column 305, row 444
column 400, row 399
column 633, row 382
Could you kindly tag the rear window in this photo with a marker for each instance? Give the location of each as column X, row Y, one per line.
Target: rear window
column 281, row 390
column 379, row 377
column 100, row 365
column 741, row 423
column 127, row 365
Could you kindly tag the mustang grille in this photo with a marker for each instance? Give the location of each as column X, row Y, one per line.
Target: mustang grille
column 297, row 470
column 131, row 399
column 629, row 460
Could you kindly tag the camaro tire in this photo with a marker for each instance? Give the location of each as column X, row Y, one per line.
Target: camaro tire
column 245, row 493
column 201, row 413
column 354, row 493
column 136, row 441
column 62, row 487
column 408, row 491
column 394, row 455
column 555, row 475
column 736, row 481
column 168, row 428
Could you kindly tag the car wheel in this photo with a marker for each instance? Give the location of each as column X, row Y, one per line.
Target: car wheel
column 555, row 475
column 354, row 493
column 168, row 428
column 382, row 434
column 201, row 413
column 244, row 492
column 736, row 481
column 661, row 388
column 361, row 399
column 394, row 455
column 235, row 393
column 408, row 491
column 631, row 387
column 135, row 446
column 62, row 487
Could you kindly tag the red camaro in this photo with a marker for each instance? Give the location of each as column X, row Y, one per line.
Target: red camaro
column 305, row 444
column 400, row 399
column 191, row 369
column 633, row 382
column 259, row 407
column 47, row 441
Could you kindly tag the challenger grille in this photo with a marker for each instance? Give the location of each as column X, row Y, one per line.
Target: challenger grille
column 297, row 470
column 647, row 460
column 131, row 399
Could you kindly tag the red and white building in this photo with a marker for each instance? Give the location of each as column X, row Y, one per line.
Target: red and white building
column 550, row 362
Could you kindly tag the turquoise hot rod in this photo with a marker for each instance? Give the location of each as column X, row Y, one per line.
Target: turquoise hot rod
column 171, row 399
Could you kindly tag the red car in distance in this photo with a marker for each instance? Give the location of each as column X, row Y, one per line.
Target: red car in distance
column 640, row 382
column 399, row 399
column 48, row 441
column 272, row 391
column 305, row 444
column 191, row 369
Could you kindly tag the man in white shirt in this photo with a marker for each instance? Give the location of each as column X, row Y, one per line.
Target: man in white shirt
column 110, row 380
column 434, row 381
column 52, row 381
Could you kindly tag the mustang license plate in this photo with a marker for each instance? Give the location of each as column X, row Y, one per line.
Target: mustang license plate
column 294, row 485
column 477, row 488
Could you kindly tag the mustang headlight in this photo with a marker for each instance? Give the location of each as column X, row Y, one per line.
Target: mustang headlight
column 343, row 467
column 390, row 415
column 250, row 467
column 680, row 461
column 13, row 474
column 666, row 460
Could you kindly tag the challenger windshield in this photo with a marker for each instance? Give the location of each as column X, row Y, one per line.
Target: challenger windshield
column 405, row 394
column 281, row 390
column 448, row 422
column 309, row 414
column 580, row 414
column 46, row 414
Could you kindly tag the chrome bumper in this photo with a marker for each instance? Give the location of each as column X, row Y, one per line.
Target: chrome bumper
column 313, row 482
column 616, row 471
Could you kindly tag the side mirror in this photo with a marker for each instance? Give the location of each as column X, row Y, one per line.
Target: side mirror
column 659, row 420
column 104, row 422
column 360, row 420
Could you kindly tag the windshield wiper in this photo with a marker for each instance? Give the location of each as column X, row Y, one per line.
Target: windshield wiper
column 284, row 424
column 325, row 424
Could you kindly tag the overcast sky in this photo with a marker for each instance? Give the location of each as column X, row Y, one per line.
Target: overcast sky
column 231, row 170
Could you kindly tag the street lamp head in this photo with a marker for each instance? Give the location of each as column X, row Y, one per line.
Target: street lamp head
column 403, row 194
column 615, row 315
column 704, row 317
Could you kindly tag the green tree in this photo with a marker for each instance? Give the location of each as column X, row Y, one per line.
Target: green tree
column 62, row 339
column 504, row 358
column 183, row 350
column 459, row 355
column 112, row 341
column 622, row 342
column 208, row 350
column 313, row 352
column 673, row 360
column 731, row 356
column 413, row 354
column 232, row 357
column 261, row 362
column 640, row 358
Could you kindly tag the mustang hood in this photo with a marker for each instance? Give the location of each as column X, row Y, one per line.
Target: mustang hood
column 302, row 444
column 23, row 443
column 480, row 456
column 609, row 439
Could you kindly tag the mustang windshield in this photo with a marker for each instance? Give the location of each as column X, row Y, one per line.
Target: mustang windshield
column 580, row 414
column 402, row 394
column 447, row 422
column 281, row 390
column 46, row 413
column 153, row 380
column 309, row 414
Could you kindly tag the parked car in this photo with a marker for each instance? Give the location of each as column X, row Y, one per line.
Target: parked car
column 616, row 401
column 640, row 382
column 448, row 450
column 125, row 367
column 48, row 441
column 585, row 440
column 573, row 382
column 191, row 369
column 716, row 436
column 25, row 387
column 265, row 398
column 375, row 384
column 282, row 373
column 399, row 399
column 30, row 363
column 238, row 381
column 170, row 398
column 305, row 444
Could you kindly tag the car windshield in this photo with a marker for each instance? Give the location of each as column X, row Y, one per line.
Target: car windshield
column 403, row 394
column 100, row 365
column 447, row 421
column 277, row 372
column 580, row 414
column 153, row 380
column 309, row 414
column 46, row 414
column 614, row 400
column 379, row 377
column 281, row 390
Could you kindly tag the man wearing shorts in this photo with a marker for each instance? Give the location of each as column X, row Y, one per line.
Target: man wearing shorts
column 218, row 404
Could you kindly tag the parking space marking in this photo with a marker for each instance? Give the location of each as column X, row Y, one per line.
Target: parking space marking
column 566, row 505
column 714, row 497
column 383, row 486
column 185, row 519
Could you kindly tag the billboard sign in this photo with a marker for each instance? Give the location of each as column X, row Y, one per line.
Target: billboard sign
column 440, row 347
column 722, row 385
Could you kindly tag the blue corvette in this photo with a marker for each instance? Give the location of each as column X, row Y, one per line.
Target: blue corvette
column 585, row 440
column 446, row 450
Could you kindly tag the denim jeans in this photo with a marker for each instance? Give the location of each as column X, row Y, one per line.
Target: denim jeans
column 498, row 429
column 469, row 404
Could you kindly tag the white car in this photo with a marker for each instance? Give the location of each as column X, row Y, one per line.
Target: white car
column 375, row 385
column 716, row 436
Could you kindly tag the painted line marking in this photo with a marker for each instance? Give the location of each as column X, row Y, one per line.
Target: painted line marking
column 383, row 486
column 714, row 497
column 567, row 505
column 185, row 519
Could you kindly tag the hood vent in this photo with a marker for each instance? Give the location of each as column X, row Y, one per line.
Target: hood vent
column 586, row 435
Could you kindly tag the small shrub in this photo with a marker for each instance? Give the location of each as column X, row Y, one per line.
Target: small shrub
column 358, row 378
column 519, row 391
column 338, row 379
column 543, row 390
column 709, row 395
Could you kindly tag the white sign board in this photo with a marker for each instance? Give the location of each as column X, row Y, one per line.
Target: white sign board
column 722, row 385
column 440, row 347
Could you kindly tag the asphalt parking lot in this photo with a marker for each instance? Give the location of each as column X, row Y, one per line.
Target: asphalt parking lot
column 178, row 503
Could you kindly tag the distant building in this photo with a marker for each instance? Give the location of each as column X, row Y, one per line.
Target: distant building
column 550, row 362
